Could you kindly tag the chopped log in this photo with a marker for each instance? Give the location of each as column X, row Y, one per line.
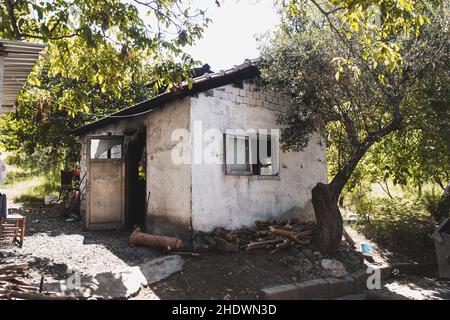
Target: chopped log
column 193, row 254
column 8, row 277
column 245, row 229
column 262, row 244
column 283, row 233
column 22, row 288
column 230, row 236
column 13, row 267
column 281, row 247
column 36, row 296
column 151, row 240
column 291, row 234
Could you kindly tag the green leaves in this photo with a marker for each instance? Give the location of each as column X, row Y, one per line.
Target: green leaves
column 108, row 42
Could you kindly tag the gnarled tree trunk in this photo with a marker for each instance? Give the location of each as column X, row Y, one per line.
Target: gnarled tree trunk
column 328, row 217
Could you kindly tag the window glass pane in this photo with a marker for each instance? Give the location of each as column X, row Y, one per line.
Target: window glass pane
column 265, row 158
column 106, row 148
column 237, row 154
column 267, row 155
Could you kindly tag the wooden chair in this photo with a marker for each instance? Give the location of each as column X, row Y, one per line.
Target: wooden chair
column 14, row 225
column 67, row 186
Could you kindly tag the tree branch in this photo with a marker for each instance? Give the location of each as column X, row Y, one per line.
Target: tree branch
column 12, row 18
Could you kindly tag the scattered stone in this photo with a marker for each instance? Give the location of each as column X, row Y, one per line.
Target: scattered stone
column 303, row 266
column 158, row 269
column 199, row 245
column 297, row 264
column 287, row 260
column 333, row 268
column 308, row 253
column 225, row 246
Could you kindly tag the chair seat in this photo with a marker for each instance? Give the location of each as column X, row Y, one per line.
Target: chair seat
column 15, row 217
column 15, row 229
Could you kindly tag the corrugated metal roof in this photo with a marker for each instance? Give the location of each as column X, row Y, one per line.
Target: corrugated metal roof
column 208, row 81
column 18, row 59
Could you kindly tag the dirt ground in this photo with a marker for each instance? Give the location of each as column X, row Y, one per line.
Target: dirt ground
column 226, row 276
column 53, row 248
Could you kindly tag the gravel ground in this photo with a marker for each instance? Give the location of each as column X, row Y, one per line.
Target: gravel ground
column 53, row 246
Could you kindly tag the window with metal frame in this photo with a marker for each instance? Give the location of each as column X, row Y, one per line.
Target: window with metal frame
column 247, row 155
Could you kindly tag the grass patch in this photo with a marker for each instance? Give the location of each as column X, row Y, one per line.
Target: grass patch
column 28, row 186
column 400, row 224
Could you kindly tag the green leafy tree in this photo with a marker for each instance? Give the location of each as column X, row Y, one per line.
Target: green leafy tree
column 107, row 41
column 100, row 55
column 39, row 130
column 346, row 87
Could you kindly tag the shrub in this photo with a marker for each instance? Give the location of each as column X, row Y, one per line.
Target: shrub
column 397, row 224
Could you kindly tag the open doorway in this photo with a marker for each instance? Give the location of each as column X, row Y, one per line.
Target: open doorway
column 135, row 178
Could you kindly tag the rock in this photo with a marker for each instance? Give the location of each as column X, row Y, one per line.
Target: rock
column 354, row 263
column 333, row 268
column 225, row 246
column 210, row 240
column 287, row 260
column 199, row 245
column 303, row 266
column 297, row 264
column 308, row 253
column 158, row 269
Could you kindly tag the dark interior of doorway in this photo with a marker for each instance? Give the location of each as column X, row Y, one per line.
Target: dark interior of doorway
column 135, row 177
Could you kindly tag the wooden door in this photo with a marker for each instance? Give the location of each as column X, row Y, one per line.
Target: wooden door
column 105, row 184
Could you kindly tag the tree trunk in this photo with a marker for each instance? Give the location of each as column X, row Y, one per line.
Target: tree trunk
column 328, row 218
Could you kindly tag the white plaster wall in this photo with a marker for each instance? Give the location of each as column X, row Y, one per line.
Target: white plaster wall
column 232, row 201
column 169, row 210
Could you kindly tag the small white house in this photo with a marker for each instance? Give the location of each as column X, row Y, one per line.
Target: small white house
column 197, row 158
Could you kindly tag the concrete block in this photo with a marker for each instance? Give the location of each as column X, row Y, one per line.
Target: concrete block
column 313, row 289
column 282, row 292
column 360, row 280
column 341, row 287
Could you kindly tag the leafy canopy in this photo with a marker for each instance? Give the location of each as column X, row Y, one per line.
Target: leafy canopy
column 108, row 42
column 338, row 90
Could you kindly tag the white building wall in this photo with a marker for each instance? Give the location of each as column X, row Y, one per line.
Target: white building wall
column 232, row 201
column 169, row 205
column 169, row 209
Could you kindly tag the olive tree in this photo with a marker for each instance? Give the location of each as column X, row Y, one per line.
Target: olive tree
column 347, row 88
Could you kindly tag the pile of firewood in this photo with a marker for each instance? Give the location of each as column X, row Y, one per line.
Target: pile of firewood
column 273, row 235
column 12, row 284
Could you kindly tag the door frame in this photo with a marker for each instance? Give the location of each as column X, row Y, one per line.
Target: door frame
column 106, row 225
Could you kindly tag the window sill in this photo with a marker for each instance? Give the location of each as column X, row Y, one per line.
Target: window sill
column 277, row 178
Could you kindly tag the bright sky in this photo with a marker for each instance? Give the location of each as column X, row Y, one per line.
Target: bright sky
column 229, row 38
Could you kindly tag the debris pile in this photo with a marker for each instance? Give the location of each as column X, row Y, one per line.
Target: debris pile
column 12, row 284
column 272, row 235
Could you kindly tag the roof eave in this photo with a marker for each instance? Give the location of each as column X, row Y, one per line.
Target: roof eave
column 249, row 72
